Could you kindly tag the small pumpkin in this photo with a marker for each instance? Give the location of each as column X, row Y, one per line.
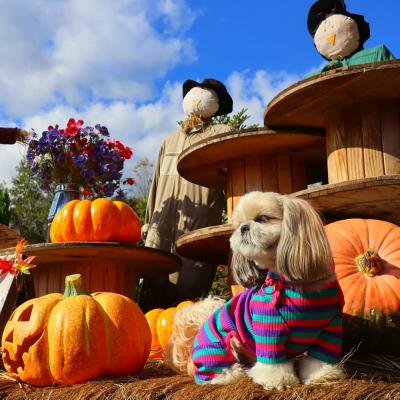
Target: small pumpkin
column 100, row 220
column 58, row 339
column 366, row 254
column 160, row 321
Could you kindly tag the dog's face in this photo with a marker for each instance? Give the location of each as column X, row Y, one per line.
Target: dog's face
column 278, row 233
column 258, row 223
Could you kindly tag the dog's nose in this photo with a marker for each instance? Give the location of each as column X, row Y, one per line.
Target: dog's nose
column 244, row 228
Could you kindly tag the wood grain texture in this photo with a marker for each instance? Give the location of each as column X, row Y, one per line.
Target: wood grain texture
column 104, row 266
column 205, row 162
column 269, row 174
column 238, row 175
column 372, row 139
column 284, row 167
column 336, row 148
column 299, row 178
column 229, row 196
column 253, row 166
column 377, row 198
column 390, row 126
column 307, row 102
column 354, row 143
column 206, row 244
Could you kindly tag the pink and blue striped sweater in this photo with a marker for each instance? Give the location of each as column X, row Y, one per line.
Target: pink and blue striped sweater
column 275, row 322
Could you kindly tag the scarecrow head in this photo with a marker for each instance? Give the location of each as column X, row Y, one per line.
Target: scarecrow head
column 337, row 33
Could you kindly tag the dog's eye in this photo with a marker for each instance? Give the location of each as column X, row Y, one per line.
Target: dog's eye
column 262, row 219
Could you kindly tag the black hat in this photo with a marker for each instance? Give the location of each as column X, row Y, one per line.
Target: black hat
column 323, row 9
column 225, row 100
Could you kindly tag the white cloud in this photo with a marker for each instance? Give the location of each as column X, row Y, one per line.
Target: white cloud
column 72, row 51
column 255, row 90
column 144, row 126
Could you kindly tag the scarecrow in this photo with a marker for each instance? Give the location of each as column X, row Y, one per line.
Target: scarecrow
column 176, row 206
column 339, row 36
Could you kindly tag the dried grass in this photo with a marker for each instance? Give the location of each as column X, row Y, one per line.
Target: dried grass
column 156, row 382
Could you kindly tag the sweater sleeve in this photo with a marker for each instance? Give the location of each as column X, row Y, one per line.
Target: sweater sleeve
column 328, row 346
column 270, row 331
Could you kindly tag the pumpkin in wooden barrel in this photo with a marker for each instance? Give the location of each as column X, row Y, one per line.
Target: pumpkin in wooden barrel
column 367, row 263
column 100, row 220
column 56, row 339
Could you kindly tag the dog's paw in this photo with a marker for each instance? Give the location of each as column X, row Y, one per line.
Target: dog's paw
column 229, row 375
column 312, row 371
column 274, row 376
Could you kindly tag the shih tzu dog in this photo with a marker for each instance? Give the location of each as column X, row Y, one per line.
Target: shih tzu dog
column 292, row 305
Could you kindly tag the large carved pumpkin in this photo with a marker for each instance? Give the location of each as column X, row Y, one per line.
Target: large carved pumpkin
column 160, row 321
column 367, row 263
column 101, row 220
column 58, row 339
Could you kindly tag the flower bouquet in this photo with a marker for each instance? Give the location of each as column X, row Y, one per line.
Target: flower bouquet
column 79, row 155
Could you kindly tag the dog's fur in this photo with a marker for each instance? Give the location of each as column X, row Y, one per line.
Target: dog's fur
column 273, row 232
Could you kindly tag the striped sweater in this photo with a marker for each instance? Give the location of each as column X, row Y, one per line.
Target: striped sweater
column 275, row 322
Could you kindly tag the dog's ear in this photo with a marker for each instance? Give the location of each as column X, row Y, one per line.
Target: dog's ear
column 303, row 251
column 244, row 271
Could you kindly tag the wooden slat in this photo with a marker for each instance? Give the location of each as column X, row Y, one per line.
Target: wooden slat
column 253, row 167
column 336, row 149
column 229, row 196
column 298, row 174
column 354, row 143
column 269, row 174
column 390, row 126
column 238, row 181
column 284, row 174
column 377, row 198
column 372, row 139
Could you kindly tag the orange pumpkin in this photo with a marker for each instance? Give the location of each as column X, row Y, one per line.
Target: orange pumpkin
column 101, row 220
column 367, row 263
column 160, row 322
column 57, row 339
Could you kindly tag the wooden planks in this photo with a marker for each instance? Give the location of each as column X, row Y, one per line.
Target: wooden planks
column 364, row 141
column 377, row 197
column 336, row 148
column 354, row 143
column 104, row 266
column 307, row 102
column 283, row 173
column 372, row 139
column 269, row 174
column 205, row 163
column 390, row 130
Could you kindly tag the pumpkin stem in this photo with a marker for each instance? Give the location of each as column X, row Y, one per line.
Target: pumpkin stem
column 370, row 263
column 74, row 286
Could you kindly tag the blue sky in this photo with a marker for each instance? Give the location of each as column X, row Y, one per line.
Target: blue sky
column 122, row 62
column 272, row 35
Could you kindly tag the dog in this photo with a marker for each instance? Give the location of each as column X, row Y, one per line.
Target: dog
column 292, row 305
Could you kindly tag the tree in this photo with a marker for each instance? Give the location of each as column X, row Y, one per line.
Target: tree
column 142, row 174
column 4, row 205
column 29, row 204
column 236, row 121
